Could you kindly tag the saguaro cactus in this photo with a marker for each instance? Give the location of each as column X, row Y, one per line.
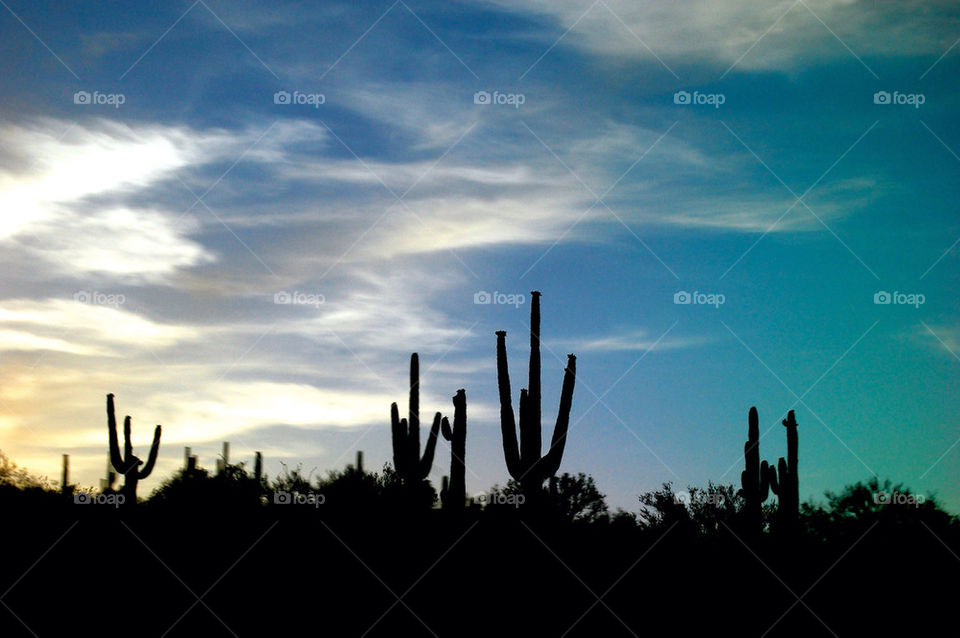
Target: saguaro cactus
column 787, row 488
column 65, row 486
column 359, row 464
column 524, row 461
column 128, row 464
column 106, row 484
column 406, row 435
column 755, row 478
column 454, row 492
column 224, row 461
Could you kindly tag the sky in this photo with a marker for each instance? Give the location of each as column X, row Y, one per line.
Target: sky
column 241, row 220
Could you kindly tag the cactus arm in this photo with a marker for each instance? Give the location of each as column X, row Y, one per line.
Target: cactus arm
column 764, row 490
column 778, row 479
column 456, row 488
column 559, row 440
column 530, row 436
column 445, row 429
column 508, row 426
column 527, row 457
column 115, row 459
column 791, row 424
column 426, row 463
column 398, row 429
column 413, row 422
column 127, row 445
column 751, row 449
column 784, row 473
column 152, row 459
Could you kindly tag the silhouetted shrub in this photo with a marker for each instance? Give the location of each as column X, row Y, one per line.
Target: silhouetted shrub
column 20, row 478
column 232, row 488
column 694, row 510
column 857, row 507
column 571, row 499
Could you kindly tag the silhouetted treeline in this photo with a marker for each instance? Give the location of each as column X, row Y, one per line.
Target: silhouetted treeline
column 357, row 553
column 327, row 556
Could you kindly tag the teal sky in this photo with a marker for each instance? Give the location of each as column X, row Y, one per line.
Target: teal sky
column 169, row 171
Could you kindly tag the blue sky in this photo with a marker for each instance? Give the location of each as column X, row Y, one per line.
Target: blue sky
column 160, row 186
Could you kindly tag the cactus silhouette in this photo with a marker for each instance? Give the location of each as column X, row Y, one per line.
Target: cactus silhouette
column 755, row 478
column 128, row 464
column 454, row 491
column 524, row 461
column 406, row 435
column 65, row 486
column 787, row 488
column 106, row 484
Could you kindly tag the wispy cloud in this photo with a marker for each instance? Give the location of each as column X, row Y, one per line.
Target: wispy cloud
column 783, row 35
column 630, row 341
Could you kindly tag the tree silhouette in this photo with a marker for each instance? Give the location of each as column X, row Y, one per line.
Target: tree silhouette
column 706, row 511
column 577, row 499
column 20, row 478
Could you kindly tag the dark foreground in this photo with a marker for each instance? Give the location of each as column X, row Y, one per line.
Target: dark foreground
column 274, row 571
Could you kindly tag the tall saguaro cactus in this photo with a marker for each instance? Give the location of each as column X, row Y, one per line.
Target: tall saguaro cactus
column 406, row 435
column 524, row 461
column 65, row 486
column 787, row 488
column 755, row 478
column 128, row 464
column 454, row 493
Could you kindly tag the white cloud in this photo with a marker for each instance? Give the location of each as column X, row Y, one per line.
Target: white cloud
column 629, row 341
column 81, row 327
column 784, row 34
column 55, row 176
column 944, row 339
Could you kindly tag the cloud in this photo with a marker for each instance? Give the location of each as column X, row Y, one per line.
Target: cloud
column 756, row 36
column 78, row 326
column 944, row 339
column 51, row 177
column 630, row 341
